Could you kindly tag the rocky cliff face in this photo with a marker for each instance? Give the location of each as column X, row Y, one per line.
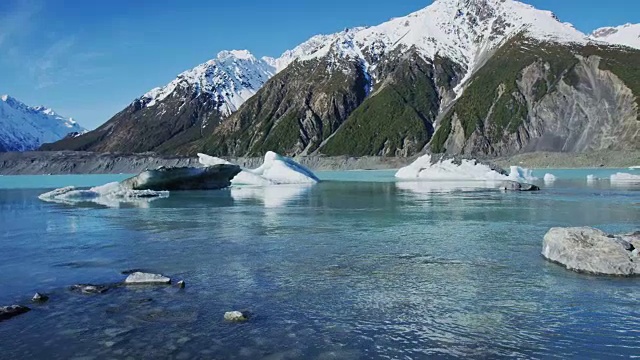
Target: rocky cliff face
column 554, row 98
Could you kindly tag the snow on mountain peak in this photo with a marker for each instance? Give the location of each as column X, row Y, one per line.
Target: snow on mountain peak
column 236, row 54
column 627, row 35
column 230, row 79
column 23, row 127
column 459, row 29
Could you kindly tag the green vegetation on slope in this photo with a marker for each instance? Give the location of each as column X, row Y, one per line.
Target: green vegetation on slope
column 403, row 109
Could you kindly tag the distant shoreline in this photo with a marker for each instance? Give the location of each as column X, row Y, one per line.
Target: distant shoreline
column 72, row 162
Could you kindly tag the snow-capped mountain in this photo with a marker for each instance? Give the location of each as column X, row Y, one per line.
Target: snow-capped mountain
column 628, row 35
column 24, row 128
column 391, row 86
column 461, row 30
column 231, row 78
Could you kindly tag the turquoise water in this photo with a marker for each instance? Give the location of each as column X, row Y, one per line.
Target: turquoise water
column 356, row 267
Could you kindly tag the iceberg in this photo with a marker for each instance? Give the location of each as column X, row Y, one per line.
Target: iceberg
column 275, row 170
column 549, row 178
column 110, row 195
column 147, row 186
column 424, row 168
column 625, row 178
column 591, row 179
column 184, row 178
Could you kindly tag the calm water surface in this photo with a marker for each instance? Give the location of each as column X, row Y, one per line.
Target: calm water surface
column 356, row 267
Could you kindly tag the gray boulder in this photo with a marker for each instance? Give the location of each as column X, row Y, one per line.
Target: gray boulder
column 516, row 186
column 7, row 312
column 140, row 278
column 593, row 251
column 184, row 178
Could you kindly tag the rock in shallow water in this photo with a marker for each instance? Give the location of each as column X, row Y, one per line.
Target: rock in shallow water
column 593, row 251
column 90, row 289
column 7, row 312
column 139, row 278
column 236, row 316
column 39, row 298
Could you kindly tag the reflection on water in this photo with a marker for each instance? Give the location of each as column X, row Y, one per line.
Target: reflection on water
column 271, row 196
column 431, row 187
column 336, row 270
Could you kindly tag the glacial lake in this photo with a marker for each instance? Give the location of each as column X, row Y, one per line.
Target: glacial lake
column 357, row 267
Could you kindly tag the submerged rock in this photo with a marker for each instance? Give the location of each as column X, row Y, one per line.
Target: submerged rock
column 40, row 298
column 181, row 284
column 140, row 278
column 517, row 186
column 184, row 178
column 593, row 251
column 236, row 316
column 90, row 289
column 7, row 312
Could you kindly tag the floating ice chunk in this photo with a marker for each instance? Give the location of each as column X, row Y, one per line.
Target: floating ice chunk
column 520, row 174
column 448, row 170
column 625, row 178
column 276, row 169
column 111, row 195
column 634, row 168
column 463, row 170
column 549, row 178
column 245, row 177
column 591, row 178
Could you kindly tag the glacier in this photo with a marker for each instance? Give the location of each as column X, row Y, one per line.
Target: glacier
column 275, row 170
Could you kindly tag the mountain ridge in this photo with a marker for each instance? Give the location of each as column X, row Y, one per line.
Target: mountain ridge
column 24, row 127
column 461, row 34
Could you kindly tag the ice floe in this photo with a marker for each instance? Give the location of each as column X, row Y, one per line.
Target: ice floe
column 460, row 170
column 111, row 195
column 275, row 170
column 625, row 178
column 549, row 178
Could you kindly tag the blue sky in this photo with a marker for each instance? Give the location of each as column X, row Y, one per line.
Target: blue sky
column 89, row 59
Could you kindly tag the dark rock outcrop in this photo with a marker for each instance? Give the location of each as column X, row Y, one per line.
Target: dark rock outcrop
column 7, row 312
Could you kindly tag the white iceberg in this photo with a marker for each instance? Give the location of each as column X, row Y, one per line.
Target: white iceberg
column 591, row 179
column 110, row 195
column 464, row 170
column 275, row 170
column 634, row 168
column 549, row 178
column 625, row 178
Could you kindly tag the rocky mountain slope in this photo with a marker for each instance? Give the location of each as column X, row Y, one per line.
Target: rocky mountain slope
column 482, row 77
column 25, row 128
